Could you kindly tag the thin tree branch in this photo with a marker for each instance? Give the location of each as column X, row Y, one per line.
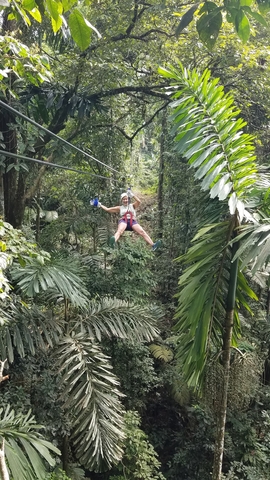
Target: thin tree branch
column 153, row 30
column 149, row 120
column 130, row 138
column 149, row 90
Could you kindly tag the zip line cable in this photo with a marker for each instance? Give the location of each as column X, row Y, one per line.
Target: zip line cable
column 16, row 112
column 48, row 164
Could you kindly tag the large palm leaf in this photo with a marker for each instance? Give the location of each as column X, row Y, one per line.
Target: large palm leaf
column 202, row 297
column 57, row 276
column 113, row 317
column 91, row 398
column 27, row 329
column 90, row 388
column 208, row 133
column 24, row 446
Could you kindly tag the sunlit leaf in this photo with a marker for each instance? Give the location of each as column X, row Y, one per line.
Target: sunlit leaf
column 242, row 26
column 81, row 32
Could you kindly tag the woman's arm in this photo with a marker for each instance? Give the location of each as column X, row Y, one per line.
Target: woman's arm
column 137, row 202
column 110, row 209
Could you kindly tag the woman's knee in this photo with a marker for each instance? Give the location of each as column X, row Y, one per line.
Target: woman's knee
column 140, row 230
column 121, row 228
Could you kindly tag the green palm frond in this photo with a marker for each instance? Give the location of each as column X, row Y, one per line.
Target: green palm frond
column 114, row 317
column 91, row 395
column 201, row 304
column 263, row 181
column 28, row 329
column 56, row 276
column 25, row 447
column 208, row 133
column 202, row 299
column 255, row 246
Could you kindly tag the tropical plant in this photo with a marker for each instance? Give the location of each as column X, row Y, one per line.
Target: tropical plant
column 208, row 133
column 24, row 447
column 140, row 459
column 72, row 329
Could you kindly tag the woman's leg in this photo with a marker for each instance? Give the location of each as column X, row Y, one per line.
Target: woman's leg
column 120, row 230
column 138, row 229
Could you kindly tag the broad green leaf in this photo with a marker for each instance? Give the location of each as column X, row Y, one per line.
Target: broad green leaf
column 208, row 27
column 56, row 24
column 259, row 18
column 81, row 33
column 52, row 7
column 68, row 4
column 186, row 19
column 35, row 13
column 23, row 14
column 242, row 26
column 29, row 4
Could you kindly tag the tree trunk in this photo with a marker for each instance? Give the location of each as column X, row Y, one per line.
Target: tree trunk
column 221, row 421
column 65, row 454
column 226, row 357
column 4, row 475
column 9, row 177
column 161, row 174
column 2, row 203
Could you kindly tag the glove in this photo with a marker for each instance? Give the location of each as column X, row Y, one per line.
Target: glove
column 130, row 193
column 95, row 202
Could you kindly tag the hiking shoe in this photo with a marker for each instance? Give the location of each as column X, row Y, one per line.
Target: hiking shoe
column 112, row 242
column 156, row 245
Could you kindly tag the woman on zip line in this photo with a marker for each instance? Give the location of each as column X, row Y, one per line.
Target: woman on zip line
column 128, row 221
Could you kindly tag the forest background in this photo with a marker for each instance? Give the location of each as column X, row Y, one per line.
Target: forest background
column 88, row 332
